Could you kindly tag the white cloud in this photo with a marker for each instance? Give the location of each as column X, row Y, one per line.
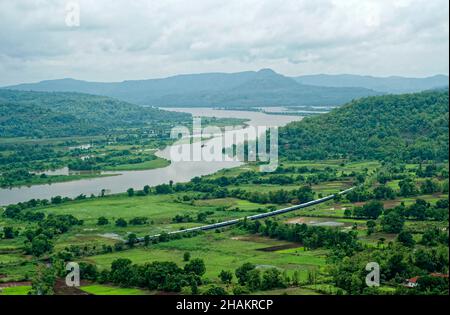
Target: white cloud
column 120, row 40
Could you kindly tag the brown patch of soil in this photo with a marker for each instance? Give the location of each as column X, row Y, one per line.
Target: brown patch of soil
column 250, row 238
column 279, row 247
column 388, row 204
column 166, row 293
column 14, row 284
column 296, row 221
column 62, row 289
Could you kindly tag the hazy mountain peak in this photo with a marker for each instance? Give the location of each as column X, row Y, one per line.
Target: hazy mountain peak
column 267, row 71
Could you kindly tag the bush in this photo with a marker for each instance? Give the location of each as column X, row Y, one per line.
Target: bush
column 121, row 222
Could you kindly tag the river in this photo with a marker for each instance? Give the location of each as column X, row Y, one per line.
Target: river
column 177, row 171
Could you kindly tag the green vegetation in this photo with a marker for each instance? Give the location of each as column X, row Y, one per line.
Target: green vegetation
column 16, row 290
column 39, row 114
column 400, row 127
column 100, row 289
column 397, row 217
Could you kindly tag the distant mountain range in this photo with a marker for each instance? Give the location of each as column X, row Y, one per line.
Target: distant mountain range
column 242, row 89
column 393, row 84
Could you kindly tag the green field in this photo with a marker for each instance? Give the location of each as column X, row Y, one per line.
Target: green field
column 17, row 290
column 223, row 251
column 99, row 289
column 226, row 249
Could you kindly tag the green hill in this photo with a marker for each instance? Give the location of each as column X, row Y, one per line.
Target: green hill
column 242, row 89
column 42, row 114
column 402, row 127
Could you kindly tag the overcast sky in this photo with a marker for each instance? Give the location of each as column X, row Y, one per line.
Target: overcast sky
column 124, row 39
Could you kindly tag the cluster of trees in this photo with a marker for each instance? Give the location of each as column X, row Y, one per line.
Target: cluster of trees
column 311, row 237
column 158, row 275
column 254, row 279
column 109, row 160
column 392, row 220
column 397, row 263
column 371, row 210
column 201, row 217
column 281, row 196
column 121, row 222
column 26, row 156
column 419, row 210
column 24, row 210
column 308, row 175
column 422, row 210
column 9, row 232
column 38, row 240
column 407, row 188
column 41, row 114
column 409, row 127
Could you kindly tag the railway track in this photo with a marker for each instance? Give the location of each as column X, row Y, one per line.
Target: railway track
column 252, row 217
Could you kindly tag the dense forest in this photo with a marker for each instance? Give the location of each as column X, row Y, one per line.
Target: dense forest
column 41, row 114
column 392, row 127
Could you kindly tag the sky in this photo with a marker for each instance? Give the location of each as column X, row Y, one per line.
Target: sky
column 118, row 40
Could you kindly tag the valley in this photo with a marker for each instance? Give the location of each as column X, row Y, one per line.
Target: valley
column 400, row 204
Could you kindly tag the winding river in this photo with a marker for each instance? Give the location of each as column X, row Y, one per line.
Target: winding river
column 177, row 171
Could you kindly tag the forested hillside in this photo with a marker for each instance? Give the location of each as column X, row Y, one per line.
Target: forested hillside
column 41, row 114
column 403, row 127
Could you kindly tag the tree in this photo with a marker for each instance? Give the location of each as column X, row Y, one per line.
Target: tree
column 130, row 192
column 138, row 221
column 371, row 224
column 186, row 256
column 40, row 245
column 406, row 238
column 442, row 204
column 383, row 192
column 201, row 217
column 8, row 232
column 272, row 279
column 120, row 271
column 407, row 187
column 347, row 213
column 254, row 279
column 429, row 186
column 215, row 290
column 433, row 285
column 163, row 189
column 120, row 222
column 146, row 189
column 132, row 239
column 43, row 281
column 392, row 222
column 88, row 271
column 146, row 240
column 196, row 266
column 242, row 272
column 102, row 221
column 226, row 276
column 373, row 209
column 418, row 209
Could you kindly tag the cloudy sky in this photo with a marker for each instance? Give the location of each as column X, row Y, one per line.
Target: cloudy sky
column 121, row 40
